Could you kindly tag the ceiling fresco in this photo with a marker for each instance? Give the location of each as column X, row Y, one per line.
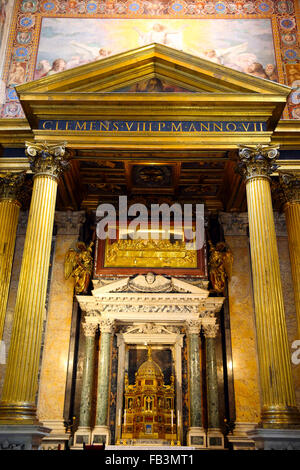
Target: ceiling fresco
column 261, row 41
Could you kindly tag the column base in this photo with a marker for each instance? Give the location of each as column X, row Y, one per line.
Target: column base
column 100, row 435
column 215, row 438
column 83, row 435
column 240, row 440
column 275, row 439
column 22, row 437
column 280, row 418
column 58, row 437
column 196, row 437
column 18, row 414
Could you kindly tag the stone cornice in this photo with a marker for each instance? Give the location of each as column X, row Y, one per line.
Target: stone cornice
column 141, row 307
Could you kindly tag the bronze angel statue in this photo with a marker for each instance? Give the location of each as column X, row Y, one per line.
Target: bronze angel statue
column 220, row 265
column 79, row 264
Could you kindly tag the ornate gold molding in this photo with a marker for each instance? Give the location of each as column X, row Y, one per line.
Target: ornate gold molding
column 46, row 159
column 257, row 161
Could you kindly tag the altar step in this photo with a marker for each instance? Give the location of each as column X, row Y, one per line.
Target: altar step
column 148, row 447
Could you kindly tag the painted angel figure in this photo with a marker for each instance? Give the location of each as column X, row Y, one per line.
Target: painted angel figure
column 233, row 56
column 90, row 53
column 79, row 264
column 220, row 265
column 159, row 33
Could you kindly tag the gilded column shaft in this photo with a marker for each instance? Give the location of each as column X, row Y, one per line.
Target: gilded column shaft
column 11, row 191
column 273, row 351
column 9, row 215
column 292, row 217
column 290, row 192
column 277, row 389
column 20, row 383
column 21, row 378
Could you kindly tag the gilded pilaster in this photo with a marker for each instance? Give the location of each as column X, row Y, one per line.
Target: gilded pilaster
column 10, row 195
column 290, row 184
column 277, row 389
column 18, row 403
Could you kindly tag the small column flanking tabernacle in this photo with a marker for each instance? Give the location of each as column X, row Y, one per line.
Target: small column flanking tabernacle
column 11, row 186
column 83, row 433
column 101, row 432
column 18, row 405
column 196, row 435
column 277, row 389
column 215, row 438
column 290, row 184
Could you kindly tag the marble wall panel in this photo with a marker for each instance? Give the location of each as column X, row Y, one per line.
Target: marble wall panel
column 57, row 337
column 245, row 365
column 289, row 305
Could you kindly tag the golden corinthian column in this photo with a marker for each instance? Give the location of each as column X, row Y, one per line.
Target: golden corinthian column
column 277, row 388
column 10, row 194
column 21, row 379
column 290, row 184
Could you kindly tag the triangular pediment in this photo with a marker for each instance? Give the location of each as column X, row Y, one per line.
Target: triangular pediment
column 176, row 68
column 149, row 283
column 198, row 90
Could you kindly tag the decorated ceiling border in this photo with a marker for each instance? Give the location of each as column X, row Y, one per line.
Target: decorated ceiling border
column 27, row 17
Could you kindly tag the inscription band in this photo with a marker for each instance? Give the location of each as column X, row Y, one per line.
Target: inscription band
column 152, row 126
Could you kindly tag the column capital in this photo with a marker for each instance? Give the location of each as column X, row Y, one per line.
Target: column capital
column 89, row 328
column 12, row 186
column 107, row 325
column 47, row 159
column 290, row 185
column 193, row 327
column 234, row 223
column 69, row 222
column 257, row 161
column 210, row 330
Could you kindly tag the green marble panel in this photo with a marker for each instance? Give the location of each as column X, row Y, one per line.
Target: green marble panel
column 87, row 382
column 212, row 384
column 195, row 381
column 103, row 379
